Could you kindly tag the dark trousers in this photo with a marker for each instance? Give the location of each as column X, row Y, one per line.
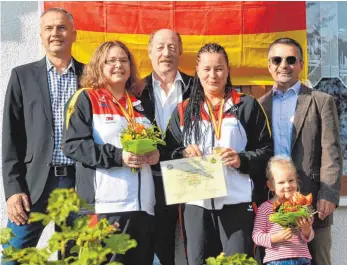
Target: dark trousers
column 210, row 232
column 320, row 246
column 28, row 235
column 166, row 217
column 139, row 225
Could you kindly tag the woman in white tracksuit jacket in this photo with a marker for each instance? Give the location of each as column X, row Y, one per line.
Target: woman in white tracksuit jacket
column 95, row 118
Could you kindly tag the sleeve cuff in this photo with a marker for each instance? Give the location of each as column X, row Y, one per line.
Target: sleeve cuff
column 178, row 153
column 305, row 239
column 244, row 163
column 330, row 196
column 119, row 156
column 12, row 189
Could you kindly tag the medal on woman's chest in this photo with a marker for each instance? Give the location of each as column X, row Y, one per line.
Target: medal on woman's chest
column 216, row 124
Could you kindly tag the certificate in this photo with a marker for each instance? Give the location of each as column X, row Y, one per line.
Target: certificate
column 193, row 179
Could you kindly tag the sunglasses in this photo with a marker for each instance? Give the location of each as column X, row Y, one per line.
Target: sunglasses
column 277, row 60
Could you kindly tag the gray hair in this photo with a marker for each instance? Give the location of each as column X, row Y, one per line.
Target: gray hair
column 60, row 10
column 180, row 44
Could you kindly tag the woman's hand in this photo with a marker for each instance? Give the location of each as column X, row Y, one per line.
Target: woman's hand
column 305, row 225
column 191, row 151
column 134, row 161
column 230, row 157
column 152, row 157
column 282, row 236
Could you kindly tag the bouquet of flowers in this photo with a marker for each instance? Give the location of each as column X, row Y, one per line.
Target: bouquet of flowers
column 288, row 211
column 139, row 140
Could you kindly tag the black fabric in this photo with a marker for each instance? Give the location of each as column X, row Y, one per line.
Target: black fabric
column 139, row 225
column 213, row 231
column 166, row 217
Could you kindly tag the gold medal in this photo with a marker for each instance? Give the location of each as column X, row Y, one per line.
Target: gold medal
column 217, row 150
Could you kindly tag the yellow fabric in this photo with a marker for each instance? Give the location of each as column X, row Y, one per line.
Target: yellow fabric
column 247, row 53
column 71, row 108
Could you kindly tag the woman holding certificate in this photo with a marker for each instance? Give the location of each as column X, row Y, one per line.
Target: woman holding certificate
column 105, row 173
column 217, row 119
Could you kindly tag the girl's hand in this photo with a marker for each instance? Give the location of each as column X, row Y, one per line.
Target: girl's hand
column 282, row 236
column 191, row 151
column 305, row 225
column 133, row 161
column 230, row 157
column 153, row 157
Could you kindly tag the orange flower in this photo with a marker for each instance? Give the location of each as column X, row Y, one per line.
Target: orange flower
column 93, row 220
column 138, row 128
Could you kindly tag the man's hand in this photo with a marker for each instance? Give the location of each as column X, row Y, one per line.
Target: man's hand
column 153, row 157
column 282, row 236
column 325, row 208
column 230, row 157
column 17, row 204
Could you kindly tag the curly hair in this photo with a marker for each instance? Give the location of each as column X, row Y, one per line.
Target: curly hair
column 192, row 116
column 93, row 76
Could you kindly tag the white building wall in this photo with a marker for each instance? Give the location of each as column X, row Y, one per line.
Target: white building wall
column 20, row 44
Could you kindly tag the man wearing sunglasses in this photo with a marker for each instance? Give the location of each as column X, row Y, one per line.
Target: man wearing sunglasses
column 305, row 127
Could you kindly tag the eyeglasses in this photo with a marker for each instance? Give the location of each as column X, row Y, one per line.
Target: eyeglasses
column 113, row 61
column 277, row 60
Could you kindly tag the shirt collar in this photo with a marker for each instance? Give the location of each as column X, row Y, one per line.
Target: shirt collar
column 50, row 66
column 177, row 78
column 295, row 88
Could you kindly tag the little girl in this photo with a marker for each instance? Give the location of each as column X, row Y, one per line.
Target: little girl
column 282, row 246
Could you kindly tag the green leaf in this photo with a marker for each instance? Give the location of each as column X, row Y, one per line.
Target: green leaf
column 89, row 240
column 39, row 217
column 5, row 235
column 120, row 243
column 236, row 259
column 75, row 249
column 211, row 261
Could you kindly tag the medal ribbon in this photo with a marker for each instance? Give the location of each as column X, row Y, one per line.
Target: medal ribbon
column 217, row 127
column 129, row 115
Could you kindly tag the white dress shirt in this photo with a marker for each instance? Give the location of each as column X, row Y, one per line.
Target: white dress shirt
column 165, row 104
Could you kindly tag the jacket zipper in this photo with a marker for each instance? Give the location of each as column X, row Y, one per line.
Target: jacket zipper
column 212, row 200
column 139, row 190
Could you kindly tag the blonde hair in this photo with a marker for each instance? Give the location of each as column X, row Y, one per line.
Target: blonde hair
column 93, row 76
column 282, row 162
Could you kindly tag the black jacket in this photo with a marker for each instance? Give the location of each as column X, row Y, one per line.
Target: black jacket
column 28, row 130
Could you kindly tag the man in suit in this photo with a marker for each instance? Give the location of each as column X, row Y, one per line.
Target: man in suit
column 305, row 127
column 33, row 163
column 165, row 88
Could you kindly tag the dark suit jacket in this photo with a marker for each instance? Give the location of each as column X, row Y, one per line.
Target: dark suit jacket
column 316, row 149
column 148, row 99
column 28, row 133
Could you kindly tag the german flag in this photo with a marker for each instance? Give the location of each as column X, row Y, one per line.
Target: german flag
column 245, row 29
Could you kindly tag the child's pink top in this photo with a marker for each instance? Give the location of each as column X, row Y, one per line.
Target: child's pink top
column 296, row 247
